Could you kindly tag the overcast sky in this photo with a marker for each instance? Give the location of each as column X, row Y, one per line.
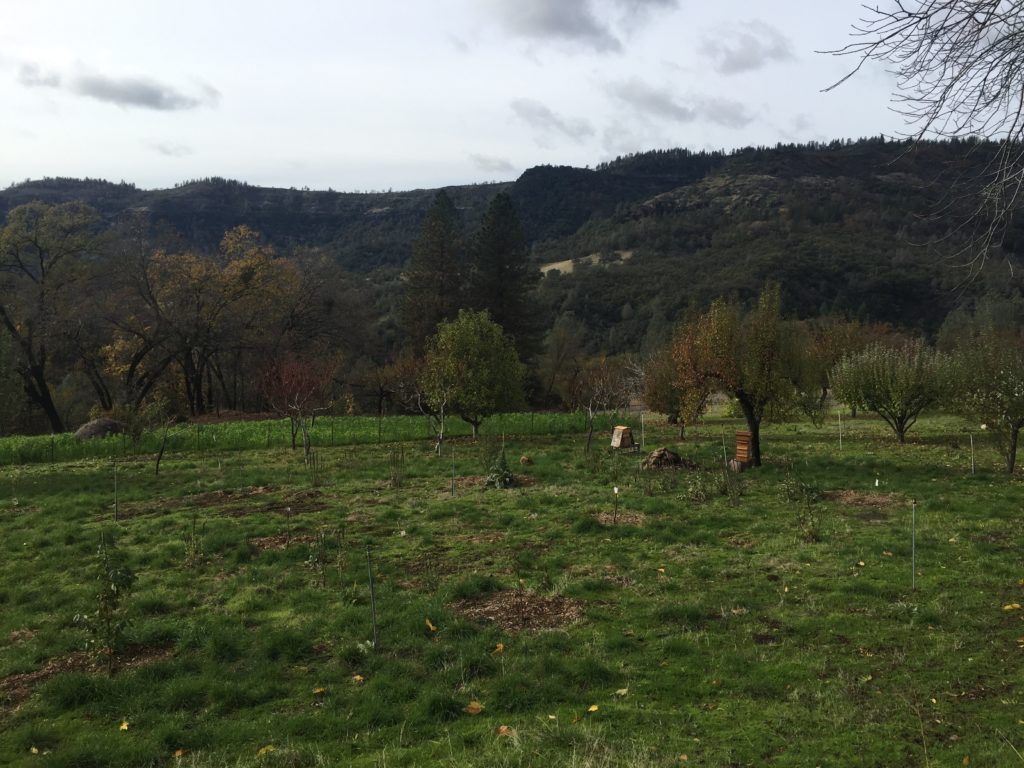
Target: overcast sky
column 413, row 93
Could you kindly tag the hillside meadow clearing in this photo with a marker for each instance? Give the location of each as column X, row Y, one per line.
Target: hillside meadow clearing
column 703, row 619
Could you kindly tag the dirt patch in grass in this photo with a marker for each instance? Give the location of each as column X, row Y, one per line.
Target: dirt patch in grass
column 206, row 499
column 872, row 499
column 517, row 610
column 869, row 506
column 14, row 689
column 280, row 541
column 300, row 502
column 623, row 518
column 20, row 636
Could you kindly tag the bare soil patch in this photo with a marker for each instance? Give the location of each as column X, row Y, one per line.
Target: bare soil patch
column 874, row 499
column 206, row 499
column 300, row 502
column 517, row 610
column 623, row 518
column 14, row 689
column 280, row 541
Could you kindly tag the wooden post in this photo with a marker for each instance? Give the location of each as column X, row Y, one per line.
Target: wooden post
column 972, row 453
column 913, row 545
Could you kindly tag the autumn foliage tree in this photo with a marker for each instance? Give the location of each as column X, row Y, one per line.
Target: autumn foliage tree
column 744, row 353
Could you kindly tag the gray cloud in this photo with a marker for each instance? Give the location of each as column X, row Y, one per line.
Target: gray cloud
column 170, row 149
column 749, row 46
column 122, row 91
column 725, row 112
column 32, row 76
column 566, row 20
column 141, row 92
column 489, row 164
column 547, row 123
column 651, row 101
column 661, row 104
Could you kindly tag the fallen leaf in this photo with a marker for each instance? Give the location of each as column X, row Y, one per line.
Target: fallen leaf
column 319, row 691
column 473, row 708
column 1012, row 607
column 966, row 760
column 358, row 679
column 179, row 753
column 860, row 563
column 499, row 648
column 593, row 708
column 661, row 570
column 430, row 625
column 124, row 725
column 505, row 730
column 552, row 717
column 867, row 678
column 265, row 750
column 683, row 758
column 887, row 553
column 622, row 692
column 34, row 750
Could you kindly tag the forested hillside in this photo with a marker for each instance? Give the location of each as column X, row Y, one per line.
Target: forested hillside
column 872, row 231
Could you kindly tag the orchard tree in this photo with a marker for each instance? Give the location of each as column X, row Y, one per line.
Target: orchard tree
column 299, row 387
column 896, row 382
column 745, row 353
column 989, row 367
column 598, row 385
column 472, row 369
column 663, row 393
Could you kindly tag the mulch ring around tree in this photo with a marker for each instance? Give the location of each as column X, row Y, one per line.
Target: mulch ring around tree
column 299, row 502
column 622, row 518
column 281, row 541
column 206, row 499
column 15, row 688
column 516, row 610
column 476, row 482
column 873, row 506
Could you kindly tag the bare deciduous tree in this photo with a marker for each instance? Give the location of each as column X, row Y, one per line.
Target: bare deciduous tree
column 959, row 68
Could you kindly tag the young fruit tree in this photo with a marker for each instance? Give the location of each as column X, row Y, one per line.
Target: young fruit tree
column 598, row 385
column 747, row 354
column 897, row 383
column 989, row 371
column 299, row 387
column 472, row 369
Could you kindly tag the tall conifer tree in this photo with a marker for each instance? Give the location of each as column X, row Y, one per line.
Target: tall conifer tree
column 436, row 273
column 501, row 278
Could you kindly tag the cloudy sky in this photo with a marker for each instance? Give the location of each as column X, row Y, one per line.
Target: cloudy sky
column 413, row 93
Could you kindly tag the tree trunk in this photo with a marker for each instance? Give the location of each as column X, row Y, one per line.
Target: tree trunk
column 1011, row 450
column 39, row 392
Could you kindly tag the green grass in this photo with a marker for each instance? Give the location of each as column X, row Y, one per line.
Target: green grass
column 731, row 623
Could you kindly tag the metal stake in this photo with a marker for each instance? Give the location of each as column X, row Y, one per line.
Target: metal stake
column 913, row 545
column 373, row 595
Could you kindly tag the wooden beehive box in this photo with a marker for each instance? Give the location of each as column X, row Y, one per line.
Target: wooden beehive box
column 743, row 453
column 622, row 437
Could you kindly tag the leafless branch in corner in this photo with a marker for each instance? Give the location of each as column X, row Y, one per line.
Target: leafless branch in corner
column 959, row 68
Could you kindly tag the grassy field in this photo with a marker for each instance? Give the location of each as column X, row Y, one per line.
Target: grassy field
column 706, row 619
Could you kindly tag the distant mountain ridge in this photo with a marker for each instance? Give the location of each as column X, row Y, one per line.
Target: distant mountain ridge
column 843, row 225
